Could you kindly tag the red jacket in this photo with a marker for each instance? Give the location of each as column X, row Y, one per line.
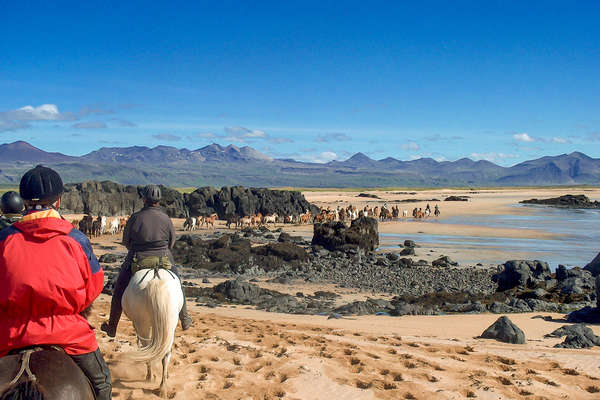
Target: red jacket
column 48, row 275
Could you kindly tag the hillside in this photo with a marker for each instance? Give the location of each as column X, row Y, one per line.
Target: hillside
column 216, row 165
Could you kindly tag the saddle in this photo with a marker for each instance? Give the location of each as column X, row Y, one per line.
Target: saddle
column 152, row 262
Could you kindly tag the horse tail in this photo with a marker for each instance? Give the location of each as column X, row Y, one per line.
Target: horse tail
column 164, row 315
column 26, row 390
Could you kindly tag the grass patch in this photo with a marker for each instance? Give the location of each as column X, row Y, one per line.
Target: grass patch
column 363, row 385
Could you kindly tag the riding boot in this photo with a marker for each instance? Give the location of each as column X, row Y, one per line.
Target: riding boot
column 116, row 308
column 96, row 370
column 184, row 317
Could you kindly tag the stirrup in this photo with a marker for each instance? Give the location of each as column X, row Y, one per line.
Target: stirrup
column 106, row 328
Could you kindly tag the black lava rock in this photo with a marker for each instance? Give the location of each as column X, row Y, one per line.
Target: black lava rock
column 362, row 233
column 505, row 331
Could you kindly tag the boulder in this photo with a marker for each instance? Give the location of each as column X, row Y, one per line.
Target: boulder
column 575, row 281
column 561, row 273
column 405, row 262
column 363, row 233
column 284, row 237
column 408, row 251
column 409, row 243
column 286, row 251
column 505, row 331
column 368, row 195
column 457, row 198
column 238, row 291
column 403, row 308
column 578, row 336
column 444, row 261
column 368, row 307
column 594, row 266
column 522, row 273
column 590, row 315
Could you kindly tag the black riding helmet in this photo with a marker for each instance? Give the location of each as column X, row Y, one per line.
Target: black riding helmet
column 41, row 185
column 12, row 203
column 151, row 193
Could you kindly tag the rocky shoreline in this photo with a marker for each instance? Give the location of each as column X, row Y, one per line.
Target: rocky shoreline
column 567, row 201
column 418, row 287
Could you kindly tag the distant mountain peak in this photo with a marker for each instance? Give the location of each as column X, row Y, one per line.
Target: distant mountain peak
column 578, row 154
column 360, row 157
column 23, row 151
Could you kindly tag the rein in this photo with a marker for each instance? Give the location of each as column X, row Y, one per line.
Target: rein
column 25, row 356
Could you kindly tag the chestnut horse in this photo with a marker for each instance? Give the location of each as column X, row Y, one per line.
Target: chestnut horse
column 42, row 374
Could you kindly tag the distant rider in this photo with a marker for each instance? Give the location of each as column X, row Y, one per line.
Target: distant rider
column 149, row 236
column 48, row 276
column 12, row 209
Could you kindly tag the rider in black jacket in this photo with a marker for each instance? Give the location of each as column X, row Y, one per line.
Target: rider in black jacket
column 149, row 235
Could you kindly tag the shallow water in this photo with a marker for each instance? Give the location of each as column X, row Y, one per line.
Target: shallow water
column 578, row 244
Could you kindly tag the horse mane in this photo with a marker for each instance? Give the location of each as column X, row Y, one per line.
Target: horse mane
column 26, row 390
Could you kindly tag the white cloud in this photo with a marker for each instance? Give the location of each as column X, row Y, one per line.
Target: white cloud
column 323, row 157
column 245, row 133
column 560, row 140
column 45, row 112
column 411, row 146
column 493, row 157
column 523, row 137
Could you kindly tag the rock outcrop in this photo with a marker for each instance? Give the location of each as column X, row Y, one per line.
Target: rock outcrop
column 111, row 199
column 578, row 336
column 363, row 233
column 522, row 273
column 594, row 266
column 232, row 254
column 566, row 201
column 457, row 198
column 243, row 201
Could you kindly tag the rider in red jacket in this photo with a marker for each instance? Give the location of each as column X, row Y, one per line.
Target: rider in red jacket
column 48, row 276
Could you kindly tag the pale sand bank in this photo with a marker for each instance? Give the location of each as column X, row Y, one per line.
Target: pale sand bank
column 241, row 353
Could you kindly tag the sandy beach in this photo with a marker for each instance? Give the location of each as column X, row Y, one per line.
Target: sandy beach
column 238, row 352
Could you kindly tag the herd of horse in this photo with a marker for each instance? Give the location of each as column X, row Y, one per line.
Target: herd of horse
column 101, row 225
column 339, row 214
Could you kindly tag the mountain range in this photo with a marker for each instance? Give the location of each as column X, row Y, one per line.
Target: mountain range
column 216, row 165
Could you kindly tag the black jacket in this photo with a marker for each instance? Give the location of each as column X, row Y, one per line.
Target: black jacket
column 149, row 232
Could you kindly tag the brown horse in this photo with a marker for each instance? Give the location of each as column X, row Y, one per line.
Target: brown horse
column 42, row 374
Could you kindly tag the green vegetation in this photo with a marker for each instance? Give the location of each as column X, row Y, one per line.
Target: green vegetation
column 6, row 188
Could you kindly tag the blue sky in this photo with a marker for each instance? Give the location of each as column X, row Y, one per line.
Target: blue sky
column 500, row 80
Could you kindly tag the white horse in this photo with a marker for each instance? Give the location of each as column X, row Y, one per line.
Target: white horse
column 152, row 301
